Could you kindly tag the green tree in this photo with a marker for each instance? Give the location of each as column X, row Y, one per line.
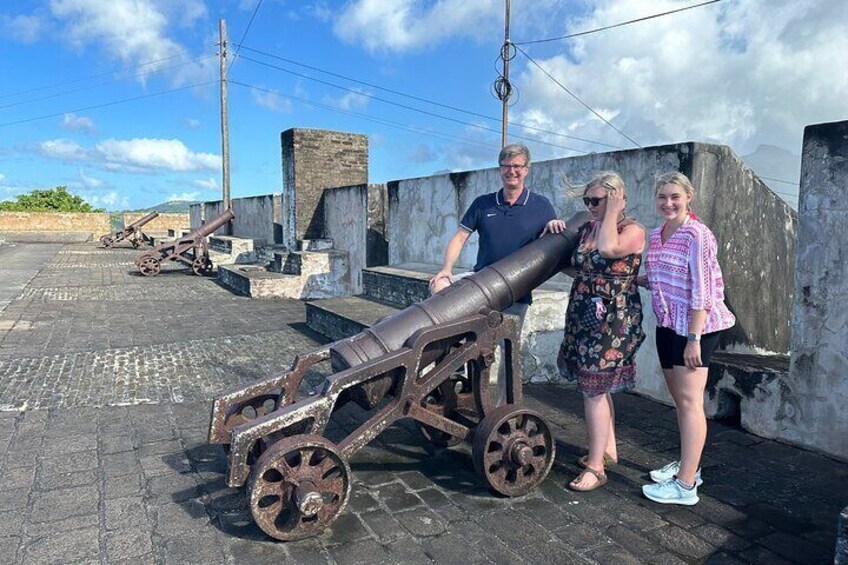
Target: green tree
column 48, row 200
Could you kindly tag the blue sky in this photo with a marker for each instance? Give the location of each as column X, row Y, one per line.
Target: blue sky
column 118, row 99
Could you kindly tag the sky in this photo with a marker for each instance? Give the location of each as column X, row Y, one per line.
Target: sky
column 119, row 99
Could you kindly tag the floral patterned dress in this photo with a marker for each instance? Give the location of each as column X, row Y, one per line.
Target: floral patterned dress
column 603, row 323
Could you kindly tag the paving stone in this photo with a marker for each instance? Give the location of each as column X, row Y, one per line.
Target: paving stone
column 36, row 529
column 123, row 513
column 170, row 519
column 552, row 552
column 65, row 480
column 308, row 552
column 421, row 522
column 795, row 549
column 364, row 552
column 581, row 536
column 720, row 538
column 635, row 542
column 612, row 553
column 11, row 523
column 200, row 548
column 407, row 551
column 451, row 548
column 759, row 554
column 17, row 477
column 173, row 488
column 257, row 551
column 122, row 486
column 70, row 444
column 64, row 547
column 128, row 543
column 684, row 518
column 385, row 527
column 9, row 549
column 396, row 497
column 68, row 463
column 681, row 542
column 55, row 505
column 347, row 528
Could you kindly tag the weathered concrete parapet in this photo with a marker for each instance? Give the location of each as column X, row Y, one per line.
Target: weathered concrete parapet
column 53, row 226
column 161, row 224
column 345, row 220
column 314, row 160
column 841, row 557
column 819, row 359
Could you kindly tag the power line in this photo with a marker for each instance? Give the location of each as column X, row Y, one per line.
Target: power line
column 779, row 180
column 417, row 98
column 369, row 118
column 404, row 106
column 637, row 20
column 243, row 36
column 66, row 92
column 113, row 103
column 82, row 79
column 550, row 76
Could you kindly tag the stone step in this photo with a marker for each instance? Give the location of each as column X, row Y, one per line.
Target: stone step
column 300, row 262
column 338, row 318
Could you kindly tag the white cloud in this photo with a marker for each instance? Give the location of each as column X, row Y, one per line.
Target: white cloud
column 72, row 122
column 209, row 184
column 63, row 149
column 272, row 101
column 111, row 200
column 194, row 195
column 155, row 154
column 193, row 123
column 89, row 182
column 142, row 155
column 133, row 31
column 351, row 101
column 22, row 28
column 411, row 24
column 738, row 73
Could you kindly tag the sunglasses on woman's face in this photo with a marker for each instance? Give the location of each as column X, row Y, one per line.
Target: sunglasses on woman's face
column 593, row 201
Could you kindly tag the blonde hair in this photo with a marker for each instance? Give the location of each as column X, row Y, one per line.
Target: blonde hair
column 608, row 180
column 679, row 179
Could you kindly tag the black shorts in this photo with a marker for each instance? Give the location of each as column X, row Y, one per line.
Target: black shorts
column 670, row 348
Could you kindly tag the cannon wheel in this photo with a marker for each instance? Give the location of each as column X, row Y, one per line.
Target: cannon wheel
column 444, row 399
column 201, row 266
column 106, row 240
column 149, row 266
column 513, row 450
column 298, row 487
column 144, row 255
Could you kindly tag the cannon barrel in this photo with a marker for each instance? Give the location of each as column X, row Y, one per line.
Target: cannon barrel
column 143, row 220
column 211, row 225
column 495, row 287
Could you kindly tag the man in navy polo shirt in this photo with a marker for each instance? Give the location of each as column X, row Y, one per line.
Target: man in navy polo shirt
column 506, row 221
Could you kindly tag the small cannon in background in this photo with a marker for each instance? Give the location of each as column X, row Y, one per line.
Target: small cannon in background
column 191, row 249
column 405, row 366
column 132, row 233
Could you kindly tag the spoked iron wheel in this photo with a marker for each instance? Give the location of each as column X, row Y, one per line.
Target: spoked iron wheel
column 150, row 266
column 513, row 450
column 144, row 255
column 106, row 241
column 201, row 266
column 298, row 487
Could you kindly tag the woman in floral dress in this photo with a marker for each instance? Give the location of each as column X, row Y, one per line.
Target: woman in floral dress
column 603, row 327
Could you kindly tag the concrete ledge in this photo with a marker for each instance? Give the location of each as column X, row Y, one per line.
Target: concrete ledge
column 841, row 556
column 237, row 249
column 338, row 318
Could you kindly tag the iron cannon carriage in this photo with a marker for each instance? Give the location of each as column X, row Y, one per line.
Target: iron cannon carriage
column 191, row 249
column 131, row 233
column 408, row 365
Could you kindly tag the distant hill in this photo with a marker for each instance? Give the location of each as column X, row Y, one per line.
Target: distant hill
column 170, row 207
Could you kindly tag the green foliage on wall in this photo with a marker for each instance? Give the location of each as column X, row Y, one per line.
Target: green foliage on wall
column 48, row 200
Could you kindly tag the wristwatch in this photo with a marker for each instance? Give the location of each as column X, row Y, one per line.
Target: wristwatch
column 693, row 337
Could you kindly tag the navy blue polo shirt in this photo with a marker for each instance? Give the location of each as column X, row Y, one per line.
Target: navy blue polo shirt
column 504, row 228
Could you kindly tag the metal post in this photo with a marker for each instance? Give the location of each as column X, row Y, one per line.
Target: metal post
column 225, row 124
column 505, row 100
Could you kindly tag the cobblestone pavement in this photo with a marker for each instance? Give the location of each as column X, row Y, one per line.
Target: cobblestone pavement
column 105, row 381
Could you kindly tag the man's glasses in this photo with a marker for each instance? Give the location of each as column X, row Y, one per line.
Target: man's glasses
column 593, row 201
column 513, row 167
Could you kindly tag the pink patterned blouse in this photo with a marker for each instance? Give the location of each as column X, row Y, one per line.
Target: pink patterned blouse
column 684, row 275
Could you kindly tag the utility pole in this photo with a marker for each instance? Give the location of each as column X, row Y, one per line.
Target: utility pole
column 507, row 89
column 225, row 121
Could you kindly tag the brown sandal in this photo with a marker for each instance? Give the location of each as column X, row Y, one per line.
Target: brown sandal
column 602, row 480
column 608, row 461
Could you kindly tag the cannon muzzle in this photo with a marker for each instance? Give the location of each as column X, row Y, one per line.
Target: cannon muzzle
column 143, row 220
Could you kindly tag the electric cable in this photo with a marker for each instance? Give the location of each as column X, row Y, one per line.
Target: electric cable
column 413, row 97
column 550, row 76
column 243, row 36
column 620, row 24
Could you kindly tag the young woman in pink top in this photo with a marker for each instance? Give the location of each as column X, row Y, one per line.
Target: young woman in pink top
column 687, row 294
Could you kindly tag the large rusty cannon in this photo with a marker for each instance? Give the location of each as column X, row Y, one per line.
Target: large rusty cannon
column 408, row 365
column 191, row 249
column 131, row 233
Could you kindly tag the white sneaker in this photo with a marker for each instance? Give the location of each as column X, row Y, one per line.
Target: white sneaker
column 670, row 492
column 670, row 471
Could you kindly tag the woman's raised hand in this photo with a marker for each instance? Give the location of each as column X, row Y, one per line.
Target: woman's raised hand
column 554, row 226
